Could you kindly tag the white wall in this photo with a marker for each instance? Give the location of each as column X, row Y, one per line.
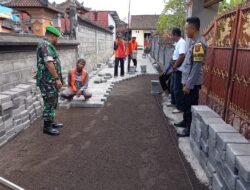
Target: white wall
column 139, row 34
column 112, row 22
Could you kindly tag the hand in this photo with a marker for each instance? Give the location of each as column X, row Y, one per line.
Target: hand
column 58, row 84
column 174, row 67
column 78, row 93
column 186, row 90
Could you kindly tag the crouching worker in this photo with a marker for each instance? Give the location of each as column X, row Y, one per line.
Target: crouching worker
column 78, row 82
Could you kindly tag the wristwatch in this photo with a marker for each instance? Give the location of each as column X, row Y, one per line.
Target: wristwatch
column 57, row 78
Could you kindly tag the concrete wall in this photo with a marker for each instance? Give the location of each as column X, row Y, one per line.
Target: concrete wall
column 96, row 46
column 112, row 22
column 18, row 58
column 139, row 34
column 205, row 14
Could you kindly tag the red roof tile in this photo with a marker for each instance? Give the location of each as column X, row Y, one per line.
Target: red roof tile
column 31, row 3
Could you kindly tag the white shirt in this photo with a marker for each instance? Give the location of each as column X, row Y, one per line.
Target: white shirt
column 180, row 48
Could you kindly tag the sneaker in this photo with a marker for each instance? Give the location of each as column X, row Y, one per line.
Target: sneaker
column 176, row 111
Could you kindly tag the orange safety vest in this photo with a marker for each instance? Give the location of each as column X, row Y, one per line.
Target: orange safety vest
column 121, row 51
column 132, row 46
column 73, row 79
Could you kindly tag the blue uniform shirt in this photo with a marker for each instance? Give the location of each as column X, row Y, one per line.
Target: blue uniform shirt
column 194, row 60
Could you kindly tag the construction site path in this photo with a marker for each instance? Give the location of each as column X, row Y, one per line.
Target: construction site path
column 126, row 145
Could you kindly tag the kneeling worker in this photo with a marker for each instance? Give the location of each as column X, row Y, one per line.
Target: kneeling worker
column 78, row 82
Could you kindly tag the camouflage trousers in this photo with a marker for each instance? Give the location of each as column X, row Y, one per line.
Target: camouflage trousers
column 50, row 98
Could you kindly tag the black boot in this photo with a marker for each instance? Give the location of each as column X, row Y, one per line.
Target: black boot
column 57, row 125
column 181, row 124
column 48, row 129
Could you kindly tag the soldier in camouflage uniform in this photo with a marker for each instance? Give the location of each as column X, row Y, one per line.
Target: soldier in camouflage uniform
column 192, row 72
column 49, row 78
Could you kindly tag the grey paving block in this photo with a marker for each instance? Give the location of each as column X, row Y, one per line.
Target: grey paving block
column 196, row 149
column 203, row 159
column 12, row 94
column 2, row 132
column 19, row 101
column 206, row 115
column 10, row 134
column 98, row 81
column 27, row 87
column 155, row 87
column 230, row 178
column 243, row 166
column 5, row 106
column 219, row 156
column 87, row 104
column 19, row 128
column 220, row 128
column 210, row 167
column 8, row 124
column 4, row 98
column 204, row 145
column 37, row 104
column 6, row 114
column 22, row 92
column 201, row 108
column 3, row 140
column 217, row 185
column 206, row 121
column 240, row 186
column 28, row 101
column 234, row 150
column 18, row 122
column 198, row 134
column 241, row 183
column 224, row 138
column 26, row 124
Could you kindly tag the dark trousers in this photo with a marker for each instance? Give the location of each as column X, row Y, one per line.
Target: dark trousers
column 117, row 60
column 190, row 100
column 164, row 78
column 129, row 60
column 177, row 91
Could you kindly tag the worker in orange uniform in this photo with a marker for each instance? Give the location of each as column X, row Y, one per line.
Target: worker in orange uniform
column 120, row 54
column 132, row 52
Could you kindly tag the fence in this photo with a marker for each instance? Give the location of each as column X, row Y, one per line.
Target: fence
column 226, row 86
column 227, row 70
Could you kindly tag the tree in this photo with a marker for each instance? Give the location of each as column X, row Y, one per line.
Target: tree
column 228, row 4
column 173, row 15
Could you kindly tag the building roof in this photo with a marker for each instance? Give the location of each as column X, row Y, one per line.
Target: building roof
column 65, row 5
column 32, row 3
column 144, row 22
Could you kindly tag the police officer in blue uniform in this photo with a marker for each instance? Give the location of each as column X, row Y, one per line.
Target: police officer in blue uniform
column 192, row 71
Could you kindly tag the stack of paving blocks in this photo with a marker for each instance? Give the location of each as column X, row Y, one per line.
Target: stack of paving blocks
column 223, row 153
column 19, row 107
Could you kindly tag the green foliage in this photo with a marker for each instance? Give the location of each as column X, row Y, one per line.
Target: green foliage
column 228, row 4
column 173, row 15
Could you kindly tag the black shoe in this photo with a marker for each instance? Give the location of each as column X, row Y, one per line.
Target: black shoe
column 181, row 124
column 51, row 131
column 57, row 125
column 48, row 129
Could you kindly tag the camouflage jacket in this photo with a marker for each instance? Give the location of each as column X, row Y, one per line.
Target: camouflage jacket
column 47, row 52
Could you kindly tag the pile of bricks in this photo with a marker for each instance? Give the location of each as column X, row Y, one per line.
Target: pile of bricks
column 223, row 153
column 19, row 108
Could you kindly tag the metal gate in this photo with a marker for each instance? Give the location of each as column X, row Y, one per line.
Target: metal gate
column 227, row 71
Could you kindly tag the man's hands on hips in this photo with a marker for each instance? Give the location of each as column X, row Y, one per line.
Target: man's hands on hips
column 186, row 90
column 58, row 84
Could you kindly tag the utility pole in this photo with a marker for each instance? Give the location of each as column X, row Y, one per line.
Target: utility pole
column 128, row 19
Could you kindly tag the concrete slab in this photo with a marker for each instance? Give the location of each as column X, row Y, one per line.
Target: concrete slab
column 243, row 167
column 234, row 150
